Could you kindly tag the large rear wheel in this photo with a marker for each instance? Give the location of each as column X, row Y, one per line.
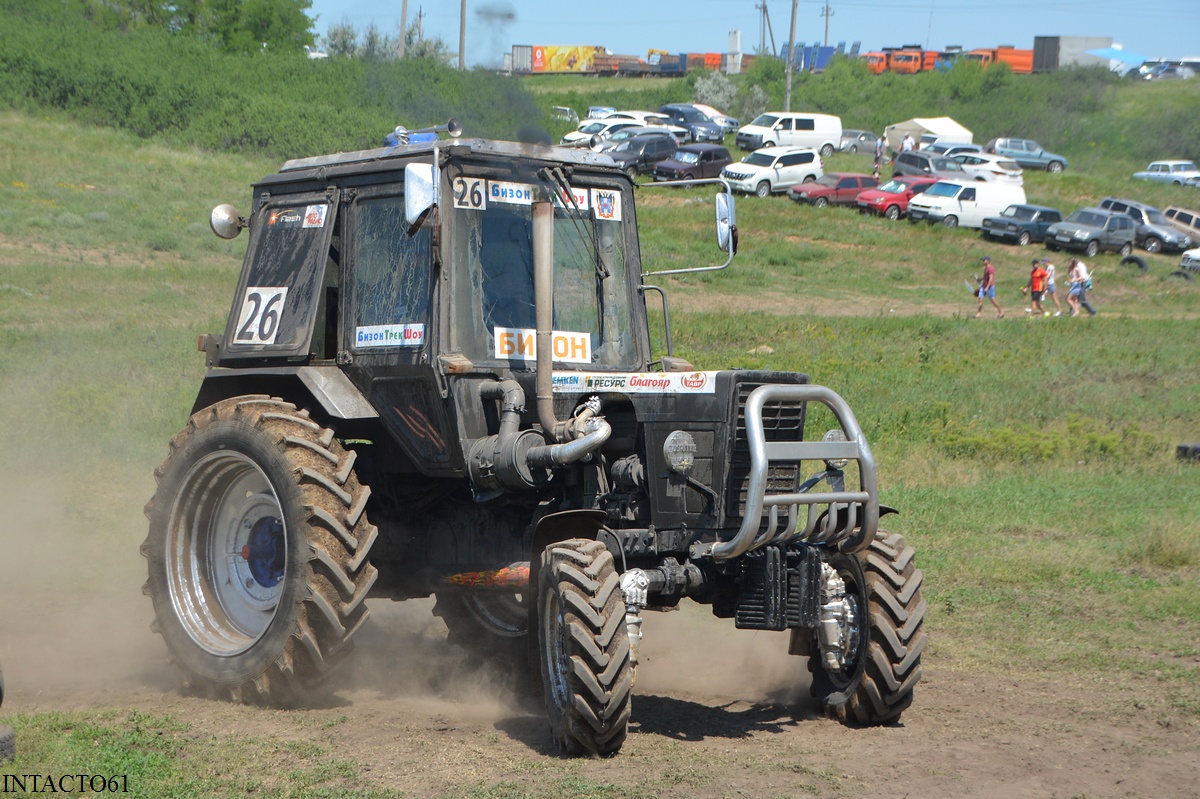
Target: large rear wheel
column 868, row 678
column 586, row 673
column 257, row 551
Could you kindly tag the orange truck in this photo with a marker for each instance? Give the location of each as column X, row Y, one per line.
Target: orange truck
column 1019, row 61
column 876, row 62
column 906, row 61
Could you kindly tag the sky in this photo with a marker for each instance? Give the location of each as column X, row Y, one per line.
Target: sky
column 1150, row 28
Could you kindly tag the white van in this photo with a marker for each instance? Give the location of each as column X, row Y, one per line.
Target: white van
column 955, row 203
column 820, row 132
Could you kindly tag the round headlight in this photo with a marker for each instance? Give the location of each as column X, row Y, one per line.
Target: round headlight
column 680, row 451
column 836, row 463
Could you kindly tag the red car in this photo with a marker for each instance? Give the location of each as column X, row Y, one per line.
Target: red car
column 836, row 188
column 891, row 199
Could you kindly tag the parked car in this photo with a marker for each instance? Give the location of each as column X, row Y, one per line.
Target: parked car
column 915, row 162
column 561, row 113
column 988, row 168
column 1021, row 224
column 1189, row 265
column 772, row 170
column 599, row 111
column 625, row 134
column 836, row 188
column 821, row 132
column 855, row 140
column 950, row 148
column 598, row 127
column 693, row 161
column 1028, row 153
column 891, row 199
column 698, row 125
column 639, row 154
column 1091, row 230
column 1154, row 233
column 1177, row 172
column 955, row 202
column 1185, row 220
column 727, row 123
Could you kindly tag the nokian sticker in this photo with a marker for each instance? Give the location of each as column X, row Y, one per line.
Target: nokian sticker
column 409, row 335
column 636, row 383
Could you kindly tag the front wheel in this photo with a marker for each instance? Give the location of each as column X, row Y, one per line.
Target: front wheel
column 1152, row 244
column 1024, row 239
column 257, row 551
column 892, row 212
column 1092, row 248
column 763, row 188
column 950, row 221
column 869, row 676
column 586, row 673
column 821, row 202
column 827, row 151
column 1054, row 166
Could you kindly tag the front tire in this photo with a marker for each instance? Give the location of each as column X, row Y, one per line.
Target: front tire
column 880, row 662
column 763, row 189
column 1054, row 166
column 950, row 221
column 821, row 202
column 827, row 151
column 892, row 212
column 1152, row 244
column 257, row 551
column 586, row 673
column 1092, row 248
column 1024, row 239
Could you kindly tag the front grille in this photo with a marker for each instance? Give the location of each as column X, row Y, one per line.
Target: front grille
column 782, row 421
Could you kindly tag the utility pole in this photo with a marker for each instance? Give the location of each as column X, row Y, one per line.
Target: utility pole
column 787, row 86
column 765, row 30
column 826, row 12
column 420, row 24
column 462, row 36
column 403, row 28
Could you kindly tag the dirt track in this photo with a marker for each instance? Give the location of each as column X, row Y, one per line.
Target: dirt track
column 717, row 713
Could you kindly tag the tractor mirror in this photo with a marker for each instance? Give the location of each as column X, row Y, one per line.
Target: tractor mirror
column 420, row 190
column 226, row 222
column 726, row 223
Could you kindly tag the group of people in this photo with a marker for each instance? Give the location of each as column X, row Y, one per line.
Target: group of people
column 1041, row 284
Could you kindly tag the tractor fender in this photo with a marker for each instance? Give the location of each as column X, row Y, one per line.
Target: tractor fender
column 326, row 386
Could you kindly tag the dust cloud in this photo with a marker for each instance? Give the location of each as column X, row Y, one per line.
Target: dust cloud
column 74, row 626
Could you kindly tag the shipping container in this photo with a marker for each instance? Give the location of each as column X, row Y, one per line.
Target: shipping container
column 1055, row 52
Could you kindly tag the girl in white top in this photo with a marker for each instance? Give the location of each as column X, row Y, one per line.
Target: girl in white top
column 1050, row 286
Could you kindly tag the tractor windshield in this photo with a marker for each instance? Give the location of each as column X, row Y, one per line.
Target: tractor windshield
column 593, row 323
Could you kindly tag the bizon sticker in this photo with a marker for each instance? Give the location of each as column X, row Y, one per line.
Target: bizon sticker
column 314, row 215
column 521, row 344
column 580, row 197
column 607, row 204
column 409, row 335
column 512, row 193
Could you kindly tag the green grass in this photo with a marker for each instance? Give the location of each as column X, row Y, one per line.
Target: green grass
column 1032, row 460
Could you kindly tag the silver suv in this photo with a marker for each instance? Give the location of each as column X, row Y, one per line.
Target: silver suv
column 1091, row 230
column 914, row 162
column 1155, row 233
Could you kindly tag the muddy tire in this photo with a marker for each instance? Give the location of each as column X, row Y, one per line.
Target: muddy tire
column 882, row 658
column 584, row 649
column 8, row 743
column 257, row 551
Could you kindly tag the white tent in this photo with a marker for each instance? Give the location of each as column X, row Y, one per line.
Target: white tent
column 943, row 129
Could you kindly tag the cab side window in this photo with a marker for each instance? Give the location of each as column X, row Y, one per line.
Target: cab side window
column 390, row 273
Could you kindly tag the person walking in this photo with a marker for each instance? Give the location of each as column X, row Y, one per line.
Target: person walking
column 1051, row 288
column 878, row 157
column 1077, row 297
column 1035, row 287
column 987, row 288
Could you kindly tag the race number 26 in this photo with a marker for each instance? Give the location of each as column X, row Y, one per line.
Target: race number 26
column 470, row 193
column 258, row 323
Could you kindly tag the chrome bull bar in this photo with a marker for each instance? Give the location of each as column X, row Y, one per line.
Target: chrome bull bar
column 861, row 507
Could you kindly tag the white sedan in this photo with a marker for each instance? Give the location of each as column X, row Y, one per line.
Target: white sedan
column 991, row 168
column 599, row 127
column 1177, row 172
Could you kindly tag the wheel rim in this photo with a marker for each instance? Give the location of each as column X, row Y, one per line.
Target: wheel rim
column 764, row 189
column 504, row 615
column 1153, row 245
column 554, row 648
column 892, row 212
column 1024, row 240
column 821, row 202
column 850, row 653
column 226, row 553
